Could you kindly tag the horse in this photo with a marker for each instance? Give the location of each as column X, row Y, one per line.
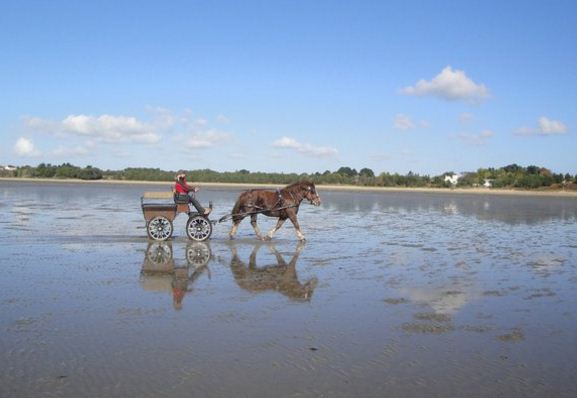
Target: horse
column 279, row 276
column 283, row 203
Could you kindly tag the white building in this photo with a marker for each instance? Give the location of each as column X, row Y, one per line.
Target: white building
column 452, row 179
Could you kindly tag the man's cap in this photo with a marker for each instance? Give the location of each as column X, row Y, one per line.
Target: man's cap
column 180, row 173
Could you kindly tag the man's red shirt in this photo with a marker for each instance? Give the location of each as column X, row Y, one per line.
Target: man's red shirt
column 183, row 187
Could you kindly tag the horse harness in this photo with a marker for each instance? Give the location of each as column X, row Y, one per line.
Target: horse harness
column 278, row 206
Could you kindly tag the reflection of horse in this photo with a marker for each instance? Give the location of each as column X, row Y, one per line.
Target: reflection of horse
column 281, row 277
column 160, row 272
column 283, row 203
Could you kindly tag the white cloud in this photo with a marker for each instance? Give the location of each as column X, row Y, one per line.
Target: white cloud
column 202, row 139
column 222, row 119
column 163, row 118
column 466, row 118
column 77, row 151
column 403, row 122
column 545, row 127
column 525, row 130
column 476, row 139
column 105, row 128
column 305, row 149
column 451, row 84
column 25, row 147
column 548, row 126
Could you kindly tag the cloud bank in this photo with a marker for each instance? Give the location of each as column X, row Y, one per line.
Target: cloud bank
column 305, row 149
column 202, row 139
column 545, row 127
column 451, row 84
column 104, row 128
column 25, row 147
column 403, row 122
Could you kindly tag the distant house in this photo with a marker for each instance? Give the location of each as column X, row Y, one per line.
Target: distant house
column 9, row 168
column 452, row 179
column 488, row 183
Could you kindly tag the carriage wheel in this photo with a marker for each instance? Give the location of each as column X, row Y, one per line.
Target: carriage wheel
column 198, row 228
column 197, row 254
column 159, row 228
column 159, row 253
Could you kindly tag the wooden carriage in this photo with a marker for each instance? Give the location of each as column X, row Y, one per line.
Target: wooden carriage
column 161, row 208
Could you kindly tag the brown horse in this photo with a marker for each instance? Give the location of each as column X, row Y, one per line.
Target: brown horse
column 283, row 203
column 279, row 276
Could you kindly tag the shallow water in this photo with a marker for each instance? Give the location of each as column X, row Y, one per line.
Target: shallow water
column 393, row 294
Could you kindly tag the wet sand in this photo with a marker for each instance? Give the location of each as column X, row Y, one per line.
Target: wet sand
column 393, row 294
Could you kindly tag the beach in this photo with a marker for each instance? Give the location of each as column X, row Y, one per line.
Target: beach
column 393, row 293
column 458, row 191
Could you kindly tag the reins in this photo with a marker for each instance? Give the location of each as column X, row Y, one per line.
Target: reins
column 248, row 213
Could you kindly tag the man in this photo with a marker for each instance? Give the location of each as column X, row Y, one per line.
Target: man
column 181, row 187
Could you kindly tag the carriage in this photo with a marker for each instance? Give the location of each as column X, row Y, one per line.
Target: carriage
column 161, row 208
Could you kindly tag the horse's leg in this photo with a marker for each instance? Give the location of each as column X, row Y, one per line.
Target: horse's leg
column 279, row 224
column 235, row 222
column 252, row 258
column 255, row 226
column 279, row 258
column 293, row 218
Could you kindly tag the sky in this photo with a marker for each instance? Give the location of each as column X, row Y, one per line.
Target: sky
column 289, row 86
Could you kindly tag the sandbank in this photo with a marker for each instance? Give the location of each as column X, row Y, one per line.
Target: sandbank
column 168, row 184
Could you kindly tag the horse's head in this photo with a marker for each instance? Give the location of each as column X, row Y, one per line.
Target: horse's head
column 311, row 194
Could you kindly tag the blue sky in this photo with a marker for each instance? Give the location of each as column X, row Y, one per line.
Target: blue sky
column 289, row 86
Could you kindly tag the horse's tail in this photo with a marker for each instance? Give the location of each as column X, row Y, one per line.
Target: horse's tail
column 236, row 217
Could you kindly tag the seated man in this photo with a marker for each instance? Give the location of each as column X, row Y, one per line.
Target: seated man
column 181, row 187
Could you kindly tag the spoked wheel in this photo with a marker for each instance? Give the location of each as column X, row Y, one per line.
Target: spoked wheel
column 159, row 228
column 198, row 228
column 159, row 253
column 197, row 254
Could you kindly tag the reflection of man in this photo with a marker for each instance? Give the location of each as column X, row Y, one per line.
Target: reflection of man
column 182, row 279
column 179, row 287
column 281, row 277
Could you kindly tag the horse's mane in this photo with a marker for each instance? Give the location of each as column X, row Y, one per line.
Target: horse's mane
column 299, row 184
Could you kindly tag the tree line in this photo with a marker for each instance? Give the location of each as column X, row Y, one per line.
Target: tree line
column 511, row 176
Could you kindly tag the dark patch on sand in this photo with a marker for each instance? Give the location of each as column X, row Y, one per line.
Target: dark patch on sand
column 515, row 336
column 546, row 292
column 427, row 328
column 395, row 301
column 432, row 316
column 494, row 293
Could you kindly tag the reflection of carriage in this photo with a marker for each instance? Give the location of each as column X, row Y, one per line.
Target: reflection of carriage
column 158, row 258
column 161, row 273
column 161, row 208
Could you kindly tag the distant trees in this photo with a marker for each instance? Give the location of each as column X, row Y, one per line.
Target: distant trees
column 514, row 176
column 510, row 176
column 65, row 170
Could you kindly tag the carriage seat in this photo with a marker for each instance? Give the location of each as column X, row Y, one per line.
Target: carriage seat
column 157, row 199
